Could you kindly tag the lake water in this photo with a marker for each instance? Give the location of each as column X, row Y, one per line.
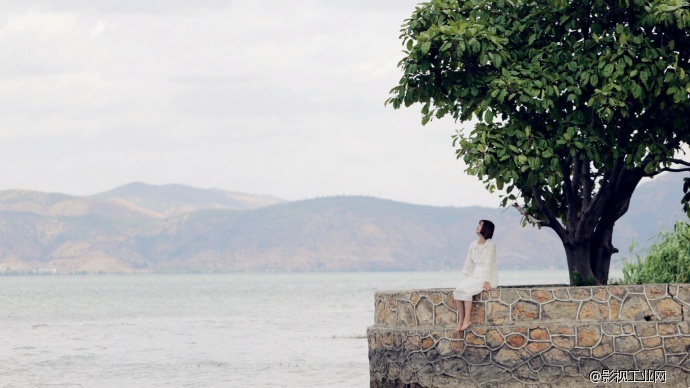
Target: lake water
column 225, row 330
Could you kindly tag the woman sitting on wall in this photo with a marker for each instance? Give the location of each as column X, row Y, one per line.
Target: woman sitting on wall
column 480, row 273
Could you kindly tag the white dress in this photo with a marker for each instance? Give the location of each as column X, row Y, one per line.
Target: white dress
column 480, row 267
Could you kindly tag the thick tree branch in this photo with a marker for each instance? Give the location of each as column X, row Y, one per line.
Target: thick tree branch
column 679, row 161
column 628, row 181
column 590, row 215
column 570, row 195
column 623, row 209
column 588, row 182
column 553, row 221
column 577, row 171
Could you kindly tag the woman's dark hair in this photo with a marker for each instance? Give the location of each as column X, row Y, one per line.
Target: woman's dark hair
column 487, row 230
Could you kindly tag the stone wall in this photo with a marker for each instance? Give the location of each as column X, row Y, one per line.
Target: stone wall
column 533, row 336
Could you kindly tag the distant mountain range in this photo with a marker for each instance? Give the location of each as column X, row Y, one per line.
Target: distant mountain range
column 176, row 228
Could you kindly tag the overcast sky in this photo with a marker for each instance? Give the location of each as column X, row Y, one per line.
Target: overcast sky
column 265, row 97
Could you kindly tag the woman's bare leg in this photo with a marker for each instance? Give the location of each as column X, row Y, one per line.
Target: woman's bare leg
column 461, row 314
column 468, row 315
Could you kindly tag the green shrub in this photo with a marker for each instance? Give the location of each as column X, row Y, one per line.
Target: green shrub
column 667, row 260
column 578, row 280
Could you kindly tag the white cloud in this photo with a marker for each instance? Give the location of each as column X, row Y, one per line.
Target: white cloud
column 284, row 98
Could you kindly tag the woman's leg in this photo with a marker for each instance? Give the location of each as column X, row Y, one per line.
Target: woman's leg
column 468, row 315
column 461, row 314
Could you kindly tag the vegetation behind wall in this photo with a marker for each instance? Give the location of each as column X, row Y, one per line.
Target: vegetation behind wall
column 666, row 261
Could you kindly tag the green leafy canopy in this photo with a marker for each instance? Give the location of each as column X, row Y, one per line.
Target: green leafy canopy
column 554, row 85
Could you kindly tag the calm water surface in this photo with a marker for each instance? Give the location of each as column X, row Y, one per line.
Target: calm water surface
column 229, row 330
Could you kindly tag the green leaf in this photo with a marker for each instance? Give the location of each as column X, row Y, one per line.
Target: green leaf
column 608, row 70
column 584, row 77
column 425, row 47
column 594, row 80
column 644, row 77
column 623, row 39
column 497, row 61
column 668, row 76
column 679, row 96
column 502, row 95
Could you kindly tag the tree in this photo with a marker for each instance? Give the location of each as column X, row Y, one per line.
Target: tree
column 575, row 102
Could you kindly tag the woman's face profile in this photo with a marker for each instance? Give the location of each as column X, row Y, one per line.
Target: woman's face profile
column 479, row 227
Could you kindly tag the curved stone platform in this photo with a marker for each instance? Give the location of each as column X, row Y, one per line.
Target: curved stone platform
column 533, row 336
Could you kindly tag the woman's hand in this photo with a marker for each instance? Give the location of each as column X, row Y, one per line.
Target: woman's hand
column 487, row 286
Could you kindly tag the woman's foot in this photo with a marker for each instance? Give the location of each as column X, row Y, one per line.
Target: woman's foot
column 465, row 325
column 461, row 318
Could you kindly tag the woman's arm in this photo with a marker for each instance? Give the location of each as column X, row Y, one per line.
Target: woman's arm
column 488, row 260
column 469, row 264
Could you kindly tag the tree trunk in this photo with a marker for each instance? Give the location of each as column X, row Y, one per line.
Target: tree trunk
column 600, row 255
column 579, row 267
column 587, row 229
column 602, row 240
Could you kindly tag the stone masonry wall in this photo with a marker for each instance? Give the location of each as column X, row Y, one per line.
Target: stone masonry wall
column 532, row 336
